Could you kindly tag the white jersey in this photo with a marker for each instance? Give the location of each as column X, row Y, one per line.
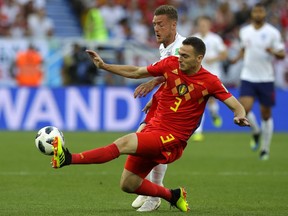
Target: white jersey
column 257, row 62
column 214, row 46
column 171, row 49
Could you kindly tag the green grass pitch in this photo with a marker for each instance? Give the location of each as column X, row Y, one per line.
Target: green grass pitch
column 221, row 175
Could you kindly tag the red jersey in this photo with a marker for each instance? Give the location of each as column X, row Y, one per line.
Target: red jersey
column 154, row 105
column 183, row 98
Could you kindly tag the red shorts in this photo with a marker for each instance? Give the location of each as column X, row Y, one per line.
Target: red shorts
column 154, row 148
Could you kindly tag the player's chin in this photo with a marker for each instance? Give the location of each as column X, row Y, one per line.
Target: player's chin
column 159, row 39
column 182, row 67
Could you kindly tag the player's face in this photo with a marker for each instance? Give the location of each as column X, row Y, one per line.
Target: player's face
column 165, row 29
column 203, row 26
column 258, row 14
column 188, row 60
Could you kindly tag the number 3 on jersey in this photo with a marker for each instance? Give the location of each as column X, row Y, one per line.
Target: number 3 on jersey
column 177, row 104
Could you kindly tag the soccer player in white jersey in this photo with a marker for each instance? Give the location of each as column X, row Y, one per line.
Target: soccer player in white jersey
column 164, row 23
column 216, row 52
column 261, row 42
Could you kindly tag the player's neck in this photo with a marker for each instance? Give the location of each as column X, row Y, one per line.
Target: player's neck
column 258, row 25
column 193, row 70
column 203, row 34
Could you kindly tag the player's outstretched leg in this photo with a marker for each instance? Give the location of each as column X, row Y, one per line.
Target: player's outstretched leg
column 179, row 199
column 62, row 156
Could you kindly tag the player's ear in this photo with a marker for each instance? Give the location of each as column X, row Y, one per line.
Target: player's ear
column 174, row 24
column 200, row 58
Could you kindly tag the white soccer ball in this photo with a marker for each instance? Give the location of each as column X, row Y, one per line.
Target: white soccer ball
column 45, row 137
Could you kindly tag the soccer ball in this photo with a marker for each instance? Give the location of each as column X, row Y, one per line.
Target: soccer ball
column 45, row 137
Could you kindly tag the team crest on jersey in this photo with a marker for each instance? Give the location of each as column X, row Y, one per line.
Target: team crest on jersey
column 182, row 89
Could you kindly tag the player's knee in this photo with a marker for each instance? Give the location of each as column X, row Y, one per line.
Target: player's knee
column 130, row 183
column 266, row 117
column 128, row 186
column 266, row 114
column 127, row 144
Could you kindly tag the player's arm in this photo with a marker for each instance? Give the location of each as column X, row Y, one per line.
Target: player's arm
column 278, row 54
column 238, row 57
column 147, row 106
column 143, row 89
column 128, row 71
column 238, row 110
column 220, row 57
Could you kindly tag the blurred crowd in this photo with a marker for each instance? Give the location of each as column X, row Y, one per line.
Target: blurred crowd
column 132, row 19
column 104, row 20
column 24, row 18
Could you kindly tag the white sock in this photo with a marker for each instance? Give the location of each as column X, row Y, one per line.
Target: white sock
column 267, row 132
column 157, row 176
column 253, row 122
column 149, row 176
column 213, row 108
column 200, row 128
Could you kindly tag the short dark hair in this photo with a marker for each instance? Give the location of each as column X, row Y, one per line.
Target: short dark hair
column 197, row 44
column 168, row 10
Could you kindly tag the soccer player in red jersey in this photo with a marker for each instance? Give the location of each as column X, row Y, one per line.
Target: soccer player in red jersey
column 180, row 107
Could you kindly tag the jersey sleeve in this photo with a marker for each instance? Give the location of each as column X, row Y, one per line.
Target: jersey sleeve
column 221, row 47
column 219, row 91
column 278, row 44
column 241, row 34
column 157, row 68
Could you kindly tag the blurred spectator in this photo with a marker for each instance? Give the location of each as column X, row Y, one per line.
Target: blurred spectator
column 38, row 4
column 28, row 67
column 112, row 14
column 10, row 9
column 8, row 13
column 78, row 69
column 284, row 16
column 19, row 27
column 134, row 14
column 122, row 31
column 94, row 25
column 140, row 31
column 242, row 15
column 28, row 9
column 39, row 25
column 185, row 26
column 200, row 8
column 224, row 19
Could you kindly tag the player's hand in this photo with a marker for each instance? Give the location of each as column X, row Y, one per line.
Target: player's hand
column 97, row 60
column 147, row 107
column 143, row 89
column 269, row 50
column 241, row 121
column 232, row 61
column 210, row 61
